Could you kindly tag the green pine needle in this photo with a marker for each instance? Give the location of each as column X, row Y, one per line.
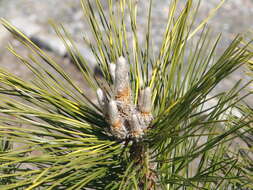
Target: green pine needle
column 54, row 136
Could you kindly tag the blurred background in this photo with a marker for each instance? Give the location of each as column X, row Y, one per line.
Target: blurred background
column 32, row 16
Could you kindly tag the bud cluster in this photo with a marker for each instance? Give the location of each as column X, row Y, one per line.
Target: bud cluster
column 126, row 120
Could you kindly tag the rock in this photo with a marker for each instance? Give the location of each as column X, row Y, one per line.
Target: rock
column 213, row 102
column 29, row 28
column 50, row 43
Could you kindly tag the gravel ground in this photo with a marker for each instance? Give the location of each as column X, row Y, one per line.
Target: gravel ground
column 234, row 17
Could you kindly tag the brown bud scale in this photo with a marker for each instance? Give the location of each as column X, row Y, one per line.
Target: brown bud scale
column 123, row 95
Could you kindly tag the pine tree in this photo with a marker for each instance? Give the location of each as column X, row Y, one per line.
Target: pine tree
column 152, row 126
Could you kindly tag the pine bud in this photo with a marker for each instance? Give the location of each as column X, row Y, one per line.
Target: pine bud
column 136, row 129
column 101, row 98
column 113, row 112
column 122, row 87
column 112, row 70
column 145, row 102
column 117, row 127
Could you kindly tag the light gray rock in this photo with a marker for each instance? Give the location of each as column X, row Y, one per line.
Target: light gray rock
column 28, row 27
column 50, row 43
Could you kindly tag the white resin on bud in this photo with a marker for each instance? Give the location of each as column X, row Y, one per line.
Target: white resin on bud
column 145, row 101
column 113, row 112
column 117, row 127
column 112, row 70
column 101, row 97
column 136, row 128
column 122, row 86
